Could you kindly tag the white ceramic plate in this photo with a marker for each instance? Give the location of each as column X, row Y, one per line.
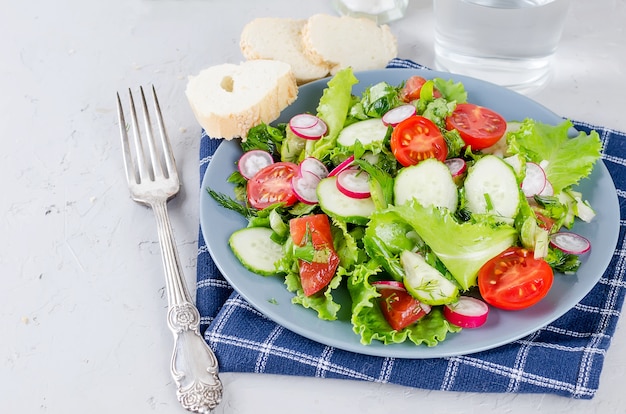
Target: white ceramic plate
column 269, row 296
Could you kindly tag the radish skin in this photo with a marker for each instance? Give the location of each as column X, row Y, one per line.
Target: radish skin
column 398, row 114
column 314, row 166
column 305, row 187
column 457, row 166
column 253, row 161
column 535, row 180
column 342, row 166
column 467, row 312
column 308, row 126
column 570, row 243
column 389, row 284
column 354, row 183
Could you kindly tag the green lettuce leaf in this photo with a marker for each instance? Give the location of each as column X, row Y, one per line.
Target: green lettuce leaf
column 333, row 109
column 386, row 236
column 375, row 101
column 462, row 247
column 322, row 302
column 450, row 90
column 346, row 244
column 264, row 137
column 369, row 322
column 569, row 159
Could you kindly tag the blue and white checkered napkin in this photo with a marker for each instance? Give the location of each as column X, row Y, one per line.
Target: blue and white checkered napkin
column 578, row 340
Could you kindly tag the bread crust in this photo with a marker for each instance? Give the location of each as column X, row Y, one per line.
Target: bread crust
column 227, row 100
column 280, row 39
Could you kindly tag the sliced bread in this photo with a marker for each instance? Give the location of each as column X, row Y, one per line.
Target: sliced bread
column 227, row 100
column 280, row 39
column 347, row 41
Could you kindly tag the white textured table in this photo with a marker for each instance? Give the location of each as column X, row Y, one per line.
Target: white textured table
column 82, row 306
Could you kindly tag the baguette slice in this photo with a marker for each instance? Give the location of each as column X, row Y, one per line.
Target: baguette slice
column 227, row 100
column 280, row 39
column 347, row 41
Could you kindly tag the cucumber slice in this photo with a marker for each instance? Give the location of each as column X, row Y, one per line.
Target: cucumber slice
column 491, row 188
column 336, row 204
column 278, row 225
column 256, row 250
column 424, row 282
column 368, row 131
column 429, row 182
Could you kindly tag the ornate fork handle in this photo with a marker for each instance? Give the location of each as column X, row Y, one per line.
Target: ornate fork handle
column 194, row 366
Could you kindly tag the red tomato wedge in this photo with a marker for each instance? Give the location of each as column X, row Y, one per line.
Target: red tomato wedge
column 478, row 126
column 399, row 308
column 514, row 279
column 413, row 87
column 315, row 275
column 416, row 139
column 272, row 185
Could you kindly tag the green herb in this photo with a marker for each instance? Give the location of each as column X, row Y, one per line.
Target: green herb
column 231, row 204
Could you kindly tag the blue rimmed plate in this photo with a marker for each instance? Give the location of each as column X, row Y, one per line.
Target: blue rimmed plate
column 269, row 296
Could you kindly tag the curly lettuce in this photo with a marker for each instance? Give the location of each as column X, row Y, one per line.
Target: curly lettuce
column 333, row 108
column 567, row 160
column 369, row 322
column 375, row 101
column 463, row 247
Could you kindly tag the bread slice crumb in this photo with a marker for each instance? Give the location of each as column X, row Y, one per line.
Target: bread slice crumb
column 227, row 100
column 346, row 41
column 281, row 39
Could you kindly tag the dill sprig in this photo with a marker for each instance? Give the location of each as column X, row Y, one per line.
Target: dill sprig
column 231, row 204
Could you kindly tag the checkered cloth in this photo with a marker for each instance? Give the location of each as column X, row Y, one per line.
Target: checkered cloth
column 563, row 358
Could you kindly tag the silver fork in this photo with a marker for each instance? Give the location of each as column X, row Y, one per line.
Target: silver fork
column 152, row 181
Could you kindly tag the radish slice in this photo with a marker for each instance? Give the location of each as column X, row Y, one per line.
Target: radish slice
column 305, row 187
column 570, row 243
column 313, row 166
column 548, row 190
column 426, row 308
column 457, row 166
column 535, row 180
column 467, row 312
column 303, row 121
column 342, row 166
column 308, row 126
column 354, row 183
column 389, row 284
column 398, row 114
column 253, row 161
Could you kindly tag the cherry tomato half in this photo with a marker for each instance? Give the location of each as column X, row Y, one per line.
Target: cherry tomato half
column 514, row 279
column 413, row 87
column 315, row 275
column 478, row 126
column 272, row 185
column 416, row 139
column 399, row 308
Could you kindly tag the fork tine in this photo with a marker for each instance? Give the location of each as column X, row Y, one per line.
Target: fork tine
column 128, row 159
column 168, row 154
column 157, row 169
column 142, row 168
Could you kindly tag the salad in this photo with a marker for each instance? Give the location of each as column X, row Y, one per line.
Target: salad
column 427, row 208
